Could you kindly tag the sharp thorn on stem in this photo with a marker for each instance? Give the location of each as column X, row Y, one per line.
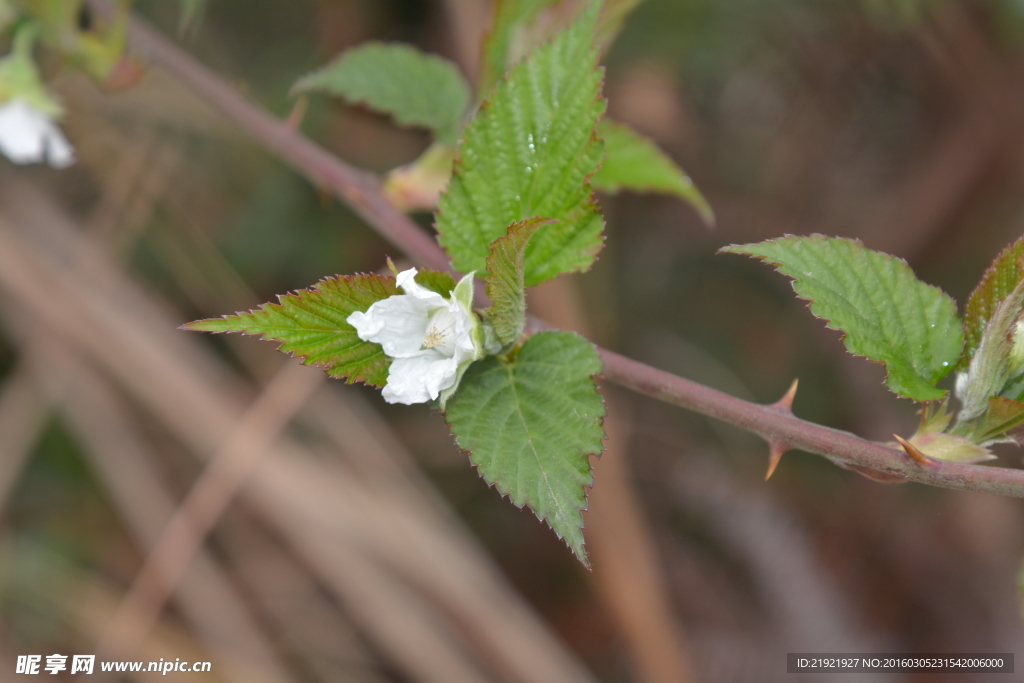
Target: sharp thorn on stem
column 785, row 404
column 914, row 452
column 776, row 447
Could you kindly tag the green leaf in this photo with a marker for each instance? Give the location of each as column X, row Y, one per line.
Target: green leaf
column 436, row 280
column 531, row 424
column 310, row 324
column 504, row 43
column 633, row 162
column 997, row 361
column 19, row 76
column 886, row 313
column 996, row 284
column 529, row 152
column 935, row 417
column 505, row 285
column 1002, row 416
column 97, row 50
column 417, row 89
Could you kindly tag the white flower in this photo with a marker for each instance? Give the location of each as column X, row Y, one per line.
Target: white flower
column 431, row 339
column 27, row 136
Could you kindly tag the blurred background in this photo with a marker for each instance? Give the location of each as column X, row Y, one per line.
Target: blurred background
column 363, row 546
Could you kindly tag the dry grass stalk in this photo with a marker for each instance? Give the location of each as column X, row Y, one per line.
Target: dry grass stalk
column 354, row 540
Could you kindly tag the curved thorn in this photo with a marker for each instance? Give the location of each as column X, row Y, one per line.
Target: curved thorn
column 914, row 452
column 785, row 404
column 776, row 448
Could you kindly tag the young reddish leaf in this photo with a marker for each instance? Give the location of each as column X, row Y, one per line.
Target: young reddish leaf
column 996, row 361
column 996, row 284
column 505, row 284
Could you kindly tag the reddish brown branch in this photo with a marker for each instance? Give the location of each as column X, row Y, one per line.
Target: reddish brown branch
column 842, row 448
column 360, row 190
column 357, row 188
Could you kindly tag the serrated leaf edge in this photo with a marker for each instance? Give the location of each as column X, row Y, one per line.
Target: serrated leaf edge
column 691, row 194
column 584, row 560
column 828, row 323
column 991, row 271
column 491, row 283
column 296, row 88
column 321, row 365
column 486, row 103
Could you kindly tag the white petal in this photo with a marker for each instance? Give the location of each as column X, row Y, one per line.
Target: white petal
column 397, row 323
column 59, row 152
column 465, row 347
column 29, row 136
column 406, row 280
column 21, row 135
column 419, row 379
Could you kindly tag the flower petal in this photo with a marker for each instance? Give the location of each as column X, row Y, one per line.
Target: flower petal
column 397, row 323
column 29, row 136
column 406, row 280
column 420, row 378
column 465, row 346
column 21, row 136
column 59, row 152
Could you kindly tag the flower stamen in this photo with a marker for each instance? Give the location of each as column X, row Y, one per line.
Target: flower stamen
column 434, row 337
column 440, row 332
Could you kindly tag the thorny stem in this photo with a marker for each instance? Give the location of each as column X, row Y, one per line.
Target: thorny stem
column 361, row 191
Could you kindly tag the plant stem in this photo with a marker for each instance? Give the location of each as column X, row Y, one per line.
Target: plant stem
column 361, row 191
